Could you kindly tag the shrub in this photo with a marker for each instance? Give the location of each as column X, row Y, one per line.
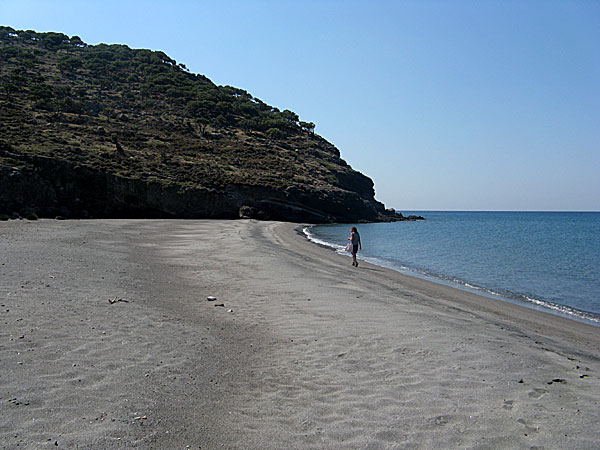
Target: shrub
column 41, row 92
column 69, row 63
column 275, row 133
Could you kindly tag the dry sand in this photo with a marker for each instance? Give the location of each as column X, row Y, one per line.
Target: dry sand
column 314, row 353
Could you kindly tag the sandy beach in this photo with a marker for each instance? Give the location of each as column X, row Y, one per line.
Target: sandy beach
column 107, row 340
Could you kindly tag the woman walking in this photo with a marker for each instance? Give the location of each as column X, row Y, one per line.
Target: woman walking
column 356, row 245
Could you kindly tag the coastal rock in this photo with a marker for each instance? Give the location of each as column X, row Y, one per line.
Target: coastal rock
column 53, row 187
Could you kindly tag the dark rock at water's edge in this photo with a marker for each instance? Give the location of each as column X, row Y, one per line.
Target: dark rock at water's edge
column 401, row 218
column 106, row 131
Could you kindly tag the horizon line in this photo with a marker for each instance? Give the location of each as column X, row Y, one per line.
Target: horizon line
column 501, row 210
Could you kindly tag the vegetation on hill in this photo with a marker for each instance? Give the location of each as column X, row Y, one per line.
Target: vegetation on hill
column 138, row 115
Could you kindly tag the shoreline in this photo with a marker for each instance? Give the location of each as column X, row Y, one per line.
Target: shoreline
column 543, row 306
column 479, row 303
column 307, row 352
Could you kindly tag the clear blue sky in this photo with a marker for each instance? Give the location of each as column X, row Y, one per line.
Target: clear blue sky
column 468, row 105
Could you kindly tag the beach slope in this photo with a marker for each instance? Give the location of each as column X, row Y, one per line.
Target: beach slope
column 108, row 341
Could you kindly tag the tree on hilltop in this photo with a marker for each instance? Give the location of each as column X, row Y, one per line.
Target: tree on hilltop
column 308, row 126
column 290, row 116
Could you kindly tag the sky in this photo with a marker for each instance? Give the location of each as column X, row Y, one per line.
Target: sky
column 446, row 105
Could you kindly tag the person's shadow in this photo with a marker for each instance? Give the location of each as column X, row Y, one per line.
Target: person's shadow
column 370, row 268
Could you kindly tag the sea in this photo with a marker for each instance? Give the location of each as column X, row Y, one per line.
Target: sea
column 548, row 261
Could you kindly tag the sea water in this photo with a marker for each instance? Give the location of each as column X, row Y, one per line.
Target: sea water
column 544, row 260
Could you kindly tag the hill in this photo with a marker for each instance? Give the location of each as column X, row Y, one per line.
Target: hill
column 110, row 131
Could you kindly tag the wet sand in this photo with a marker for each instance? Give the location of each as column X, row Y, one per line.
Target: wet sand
column 306, row 351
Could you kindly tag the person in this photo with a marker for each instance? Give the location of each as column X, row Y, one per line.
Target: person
column 356, row 244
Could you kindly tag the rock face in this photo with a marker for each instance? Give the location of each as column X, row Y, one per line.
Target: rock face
column 111, row 132
column 52, row 188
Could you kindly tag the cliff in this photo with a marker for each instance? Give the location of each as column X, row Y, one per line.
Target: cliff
column 109, row 131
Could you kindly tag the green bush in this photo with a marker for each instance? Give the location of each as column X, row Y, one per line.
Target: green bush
column 69, row 105
column 275, row 133
column 54, row 40
column 41, row 92
column 69, row 63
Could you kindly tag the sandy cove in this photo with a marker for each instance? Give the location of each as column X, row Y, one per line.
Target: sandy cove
column 306, row 353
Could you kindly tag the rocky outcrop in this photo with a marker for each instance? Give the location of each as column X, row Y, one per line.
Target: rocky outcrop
column 55, row 188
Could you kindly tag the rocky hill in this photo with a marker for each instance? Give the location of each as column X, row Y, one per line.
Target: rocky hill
column 110, row 131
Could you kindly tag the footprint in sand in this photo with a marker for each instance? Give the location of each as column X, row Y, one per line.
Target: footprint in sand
column 537, row 393
column 508, row 404
column 529, row 427
column 440, row 420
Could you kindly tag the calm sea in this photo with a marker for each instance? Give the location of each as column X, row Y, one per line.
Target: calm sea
column 545, row 260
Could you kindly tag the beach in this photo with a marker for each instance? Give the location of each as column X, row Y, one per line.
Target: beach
column 108, row 341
